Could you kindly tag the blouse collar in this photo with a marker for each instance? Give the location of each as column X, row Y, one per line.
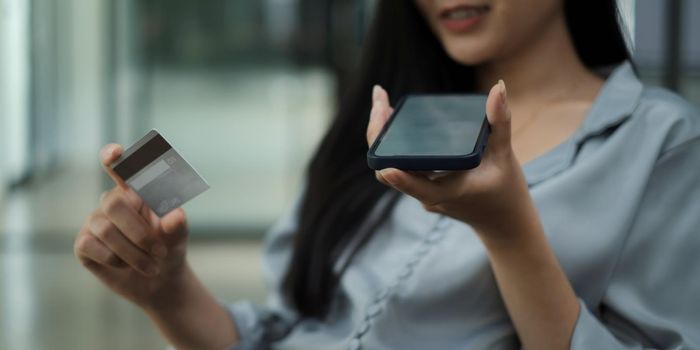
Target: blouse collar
column 615, row 102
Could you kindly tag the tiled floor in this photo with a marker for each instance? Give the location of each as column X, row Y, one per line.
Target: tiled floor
column 50, row 302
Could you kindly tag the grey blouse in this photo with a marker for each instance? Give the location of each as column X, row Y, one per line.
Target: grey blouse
column 620, row 204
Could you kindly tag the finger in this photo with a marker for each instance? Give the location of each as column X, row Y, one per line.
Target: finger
column 416, row 186
column 132, row 198
column 116, row 206
column 428, row 174
column 499, row 117
column 99, row 270
column 379, row 115
column 100, row 227
column 381, row 179
column 90, row 249
column 174, row 223
column 432, row 174
column 108, row 155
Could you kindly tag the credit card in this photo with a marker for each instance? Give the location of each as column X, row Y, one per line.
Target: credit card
column 154, row 170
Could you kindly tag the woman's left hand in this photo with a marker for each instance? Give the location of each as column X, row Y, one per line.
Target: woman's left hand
column 493, row 198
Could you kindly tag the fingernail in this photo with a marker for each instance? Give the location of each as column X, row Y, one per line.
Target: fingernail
column 158, row 250
column 376, row 90
column 504, row 94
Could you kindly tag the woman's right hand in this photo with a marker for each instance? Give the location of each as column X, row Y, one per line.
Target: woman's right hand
column 129, row 248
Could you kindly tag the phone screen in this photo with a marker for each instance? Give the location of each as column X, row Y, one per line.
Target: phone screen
column 434, row 125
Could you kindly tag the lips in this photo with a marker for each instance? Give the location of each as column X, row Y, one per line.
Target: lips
column 462, row 18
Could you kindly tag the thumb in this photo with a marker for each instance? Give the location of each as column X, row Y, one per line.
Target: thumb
column 498, row 115
column 379, row 115
column 174, row 223
column 108, row 155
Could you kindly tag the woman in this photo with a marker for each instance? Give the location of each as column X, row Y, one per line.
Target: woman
column 578, row 230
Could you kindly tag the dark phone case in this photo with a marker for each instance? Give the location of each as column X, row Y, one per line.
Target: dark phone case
column 463, row 162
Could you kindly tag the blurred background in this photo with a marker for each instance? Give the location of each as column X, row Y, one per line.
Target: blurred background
column 242, row 88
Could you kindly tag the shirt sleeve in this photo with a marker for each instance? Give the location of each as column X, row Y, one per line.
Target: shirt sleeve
column 257, row 326
column 652, row 300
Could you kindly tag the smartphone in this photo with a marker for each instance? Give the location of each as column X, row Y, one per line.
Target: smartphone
column 433, row 132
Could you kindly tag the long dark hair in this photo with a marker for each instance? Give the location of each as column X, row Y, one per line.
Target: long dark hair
column 404, row 56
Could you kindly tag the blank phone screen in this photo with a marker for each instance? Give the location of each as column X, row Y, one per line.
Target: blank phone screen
column 434, row 125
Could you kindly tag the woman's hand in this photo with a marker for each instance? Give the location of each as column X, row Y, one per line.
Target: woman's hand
column 142, row 258
column 129, row 248
column 493, row 198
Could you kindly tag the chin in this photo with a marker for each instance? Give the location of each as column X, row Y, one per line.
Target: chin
column 468, row 55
